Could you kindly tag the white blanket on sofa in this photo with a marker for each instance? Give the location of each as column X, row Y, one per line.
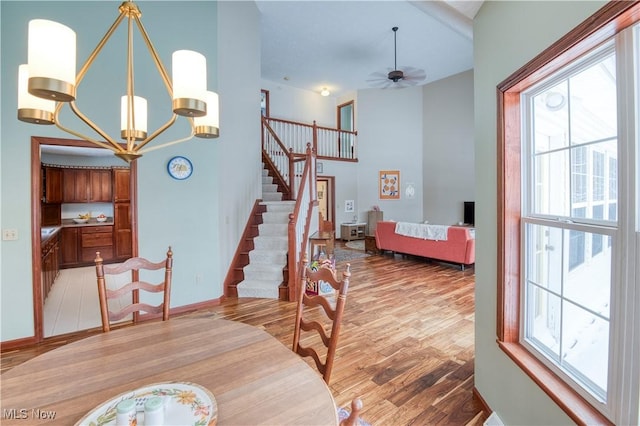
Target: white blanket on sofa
column 422, row 230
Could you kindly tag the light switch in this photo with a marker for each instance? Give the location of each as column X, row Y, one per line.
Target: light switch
column 9, row 234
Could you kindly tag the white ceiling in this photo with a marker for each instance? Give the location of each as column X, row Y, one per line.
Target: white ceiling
column 339, row 44
column 335, row 44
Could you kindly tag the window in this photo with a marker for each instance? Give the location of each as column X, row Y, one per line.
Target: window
column 568, row 302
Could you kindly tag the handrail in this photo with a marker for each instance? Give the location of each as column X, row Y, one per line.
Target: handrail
column 300, row 221
column 328, row 143
column 279, row 157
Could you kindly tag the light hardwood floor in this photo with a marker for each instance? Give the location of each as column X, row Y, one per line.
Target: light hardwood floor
column 406, row 347
column 72, row 304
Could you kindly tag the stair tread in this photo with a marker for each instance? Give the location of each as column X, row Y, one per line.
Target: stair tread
column 270, row 244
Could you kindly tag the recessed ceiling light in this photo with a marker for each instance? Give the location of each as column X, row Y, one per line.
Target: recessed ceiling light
column 325, row 92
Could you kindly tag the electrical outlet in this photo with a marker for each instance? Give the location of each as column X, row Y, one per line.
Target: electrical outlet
column 9, row 234
column 198, row 278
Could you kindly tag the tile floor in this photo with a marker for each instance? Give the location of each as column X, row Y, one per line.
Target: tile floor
column 72, row 303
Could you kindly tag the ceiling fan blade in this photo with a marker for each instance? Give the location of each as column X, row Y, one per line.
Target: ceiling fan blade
column 409, row 82
column 409, row 70
column 377, row 76
column 415, row 74
column 378, row 84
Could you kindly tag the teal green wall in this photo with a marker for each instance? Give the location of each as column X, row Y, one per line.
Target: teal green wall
column 193, row 215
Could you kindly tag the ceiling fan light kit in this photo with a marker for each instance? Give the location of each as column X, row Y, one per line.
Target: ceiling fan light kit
column 396, row 78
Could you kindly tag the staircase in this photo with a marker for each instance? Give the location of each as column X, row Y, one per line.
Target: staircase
column 264, row 273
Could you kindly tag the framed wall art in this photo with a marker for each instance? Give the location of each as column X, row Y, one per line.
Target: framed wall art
column 349, row 206
column 389, row 184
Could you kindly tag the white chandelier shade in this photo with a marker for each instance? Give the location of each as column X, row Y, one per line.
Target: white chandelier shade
column 31, row 108
column 209, row 125
column 133, row 117
column 52, row 60
column 189, row 75
column 51, row 78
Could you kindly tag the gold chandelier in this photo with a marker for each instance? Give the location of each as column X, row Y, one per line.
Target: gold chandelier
column 48, row 82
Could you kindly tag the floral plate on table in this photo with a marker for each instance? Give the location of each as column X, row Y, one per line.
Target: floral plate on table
column 184, row 404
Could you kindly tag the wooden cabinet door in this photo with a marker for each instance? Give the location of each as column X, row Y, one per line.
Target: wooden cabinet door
column 100, row 186
column 121, row 185
column 52, row 185
column 96, row 239
column 69, row 247
column 68, row 186
column 76, row 186
column 122, row 231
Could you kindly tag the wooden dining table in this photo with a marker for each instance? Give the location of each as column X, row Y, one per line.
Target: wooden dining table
column 253, row 378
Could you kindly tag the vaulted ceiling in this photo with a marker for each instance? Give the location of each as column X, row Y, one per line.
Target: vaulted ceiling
column 341, row 44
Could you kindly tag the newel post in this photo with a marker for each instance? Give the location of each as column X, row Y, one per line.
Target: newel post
column 315, row 137
column 292, row 176
column 311, row 160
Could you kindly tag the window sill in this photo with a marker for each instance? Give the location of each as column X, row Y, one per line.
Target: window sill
column 562, row 394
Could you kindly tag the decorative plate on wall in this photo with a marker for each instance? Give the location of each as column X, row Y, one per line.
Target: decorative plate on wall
column 180, row 168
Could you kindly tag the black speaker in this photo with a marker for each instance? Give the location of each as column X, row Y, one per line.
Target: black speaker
column 470, row 212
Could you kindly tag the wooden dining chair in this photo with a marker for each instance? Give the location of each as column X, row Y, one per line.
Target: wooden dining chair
column 326, row 226
column 317, row 314
column 132, row 266
column 353, row 417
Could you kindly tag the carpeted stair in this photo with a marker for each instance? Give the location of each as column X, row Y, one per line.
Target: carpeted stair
column 269, row 189
column 263, row 275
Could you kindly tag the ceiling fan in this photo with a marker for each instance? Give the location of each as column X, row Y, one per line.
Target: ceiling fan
column 396, row 78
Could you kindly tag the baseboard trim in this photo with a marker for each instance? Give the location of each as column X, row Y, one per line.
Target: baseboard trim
column 10, row 345
column 485, row 406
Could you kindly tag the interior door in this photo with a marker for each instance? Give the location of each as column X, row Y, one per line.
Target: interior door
column 326, row 197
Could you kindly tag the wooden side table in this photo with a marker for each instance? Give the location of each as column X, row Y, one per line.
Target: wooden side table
column 370, row 244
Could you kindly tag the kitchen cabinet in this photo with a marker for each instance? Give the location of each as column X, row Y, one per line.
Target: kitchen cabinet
column 121, row 185
column 50, row 263
column 122, row 215
column 75, row 184
column 86, row 186
column 101, row 187
column 69, row 243
column 93, row 239
column 122, row 234
column 50, row 214
column 80, row 244
column 51, row 185
column 50, row 202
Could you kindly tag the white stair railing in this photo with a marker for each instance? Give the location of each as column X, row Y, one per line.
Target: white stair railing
column 326, row 142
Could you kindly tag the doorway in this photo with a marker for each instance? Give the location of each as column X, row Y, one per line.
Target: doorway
column 346, row 122
column 326, row 197
column 76, row 153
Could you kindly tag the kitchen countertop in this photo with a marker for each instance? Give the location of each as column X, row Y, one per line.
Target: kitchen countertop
column 69, row 223
column 47, row 232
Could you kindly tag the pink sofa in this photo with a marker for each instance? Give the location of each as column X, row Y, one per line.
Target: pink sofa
column 459, row 247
